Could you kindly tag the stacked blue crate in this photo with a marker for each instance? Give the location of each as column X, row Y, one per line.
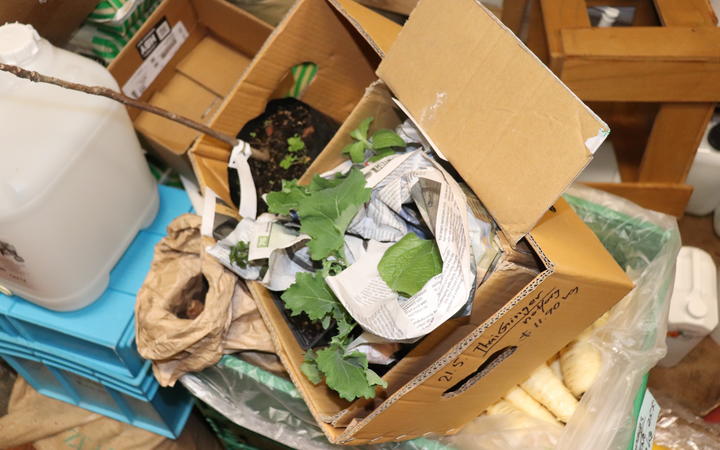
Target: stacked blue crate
column 88, row 357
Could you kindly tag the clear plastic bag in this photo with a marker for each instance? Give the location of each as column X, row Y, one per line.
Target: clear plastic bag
column 643, row 242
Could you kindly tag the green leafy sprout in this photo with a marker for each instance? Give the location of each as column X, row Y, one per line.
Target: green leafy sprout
column 382, row 143
column 296, row 153
column 325, row 208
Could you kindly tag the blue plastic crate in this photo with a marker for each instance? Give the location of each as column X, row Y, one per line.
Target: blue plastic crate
column 99, row 338
column 164, row 411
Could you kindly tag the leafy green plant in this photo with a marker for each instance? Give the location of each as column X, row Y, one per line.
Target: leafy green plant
column 325, row 208
column 382, row 143
column 409, row 264
column 296, row 153
column 346, row 373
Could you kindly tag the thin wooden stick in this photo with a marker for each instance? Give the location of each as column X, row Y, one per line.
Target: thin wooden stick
column 125, row 100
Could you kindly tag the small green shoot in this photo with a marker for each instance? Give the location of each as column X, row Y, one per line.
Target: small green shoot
column 288, row 161
column 295, row 144
column 296, row 153
column 382, row 143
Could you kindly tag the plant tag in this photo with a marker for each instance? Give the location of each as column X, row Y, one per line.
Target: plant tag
column 239, row 161
column 647, row 419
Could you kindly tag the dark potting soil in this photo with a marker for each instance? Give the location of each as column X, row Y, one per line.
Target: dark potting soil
column 283, row 118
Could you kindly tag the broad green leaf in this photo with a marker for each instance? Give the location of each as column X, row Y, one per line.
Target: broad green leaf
column 310, row 295
column 386, row 139
column 356, row 151
column 295, row 144
column 409, row 264
column 286, row 199
column 361, row 132
column 310, row 368
column 382, row 153
column 347, row 374
column 326, row 214
column 319, row 183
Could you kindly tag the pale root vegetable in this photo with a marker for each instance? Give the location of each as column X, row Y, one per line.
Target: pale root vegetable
column 554, row 364
column 581, row 361
column 502, row 407
column 525, row 403
column 550, row 391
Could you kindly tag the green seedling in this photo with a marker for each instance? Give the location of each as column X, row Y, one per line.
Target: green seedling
column 382, row 143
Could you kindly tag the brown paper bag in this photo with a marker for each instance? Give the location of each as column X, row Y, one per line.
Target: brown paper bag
column 190, row 309
column 50, row 424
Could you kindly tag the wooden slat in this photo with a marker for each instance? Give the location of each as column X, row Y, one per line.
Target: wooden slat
column 558, row 15
column 642, row 81
column 513, row 13
column 668, row 198
column 630, row 125
column 675, row 137
column 643, row 43
column 645, row 14
column 685, row 12
column 536, row 39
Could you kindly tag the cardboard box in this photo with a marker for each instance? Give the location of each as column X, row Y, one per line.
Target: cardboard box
column 186, row 58
column 55, row 20
column 517, row 136
column 313, row 31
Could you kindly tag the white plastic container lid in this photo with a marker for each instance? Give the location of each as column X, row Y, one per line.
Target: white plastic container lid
column 694, row 303
column 18, row 43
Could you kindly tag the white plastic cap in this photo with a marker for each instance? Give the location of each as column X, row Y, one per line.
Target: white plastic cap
column 18, row 43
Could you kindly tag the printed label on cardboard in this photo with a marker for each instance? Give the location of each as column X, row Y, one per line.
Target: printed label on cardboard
column 160, row 47
column 12, row 265
column 152, row 38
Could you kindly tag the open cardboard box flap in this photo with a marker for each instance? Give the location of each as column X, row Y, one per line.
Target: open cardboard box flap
column 504, row 121
column 312, row 31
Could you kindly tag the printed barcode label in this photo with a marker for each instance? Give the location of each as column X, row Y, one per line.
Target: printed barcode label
column 167, row 42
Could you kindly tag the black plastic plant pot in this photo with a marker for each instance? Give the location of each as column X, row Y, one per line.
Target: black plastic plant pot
column 283, row 119
column 309, row 334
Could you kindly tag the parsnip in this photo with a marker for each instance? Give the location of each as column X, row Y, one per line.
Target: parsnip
column 524, row 402
column 550, row 391
column 502, row 407
column 580, row 361
column 554, row 364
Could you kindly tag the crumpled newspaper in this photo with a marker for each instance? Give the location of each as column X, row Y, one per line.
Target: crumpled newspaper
column 463, row 239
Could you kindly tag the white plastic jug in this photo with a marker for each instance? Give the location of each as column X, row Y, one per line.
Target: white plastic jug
column 74, row 186
column 694, row 304
column 704, row 176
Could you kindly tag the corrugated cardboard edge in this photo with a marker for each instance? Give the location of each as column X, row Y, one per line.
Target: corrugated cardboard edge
column 380, row 34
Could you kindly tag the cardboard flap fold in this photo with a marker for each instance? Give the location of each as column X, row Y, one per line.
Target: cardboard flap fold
column 379, row 32
column 511, row 128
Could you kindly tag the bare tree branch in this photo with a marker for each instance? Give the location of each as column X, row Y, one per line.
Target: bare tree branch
column 125, row 100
